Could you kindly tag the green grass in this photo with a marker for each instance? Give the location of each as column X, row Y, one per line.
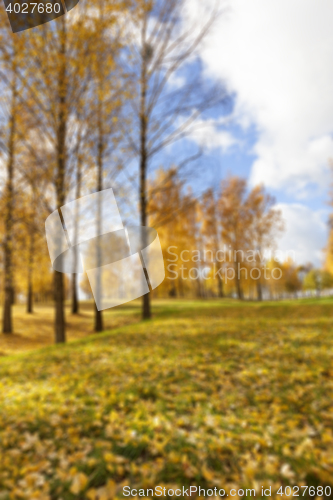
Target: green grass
column 212, row 393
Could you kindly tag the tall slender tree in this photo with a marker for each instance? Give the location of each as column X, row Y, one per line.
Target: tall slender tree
column 164, row 47
column 56, row 76
column 108, row 93
column 10, row 62
column 235, row 224
column 7, row 326
column 211, row 231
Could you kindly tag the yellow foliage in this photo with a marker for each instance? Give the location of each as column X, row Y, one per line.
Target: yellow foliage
column 223, row 394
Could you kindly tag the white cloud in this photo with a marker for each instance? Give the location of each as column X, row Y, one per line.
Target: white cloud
column 277, row 58
column 305, row 233
column 176, row 81
column 208, row 136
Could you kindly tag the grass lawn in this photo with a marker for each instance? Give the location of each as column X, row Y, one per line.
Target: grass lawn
column 215, row 394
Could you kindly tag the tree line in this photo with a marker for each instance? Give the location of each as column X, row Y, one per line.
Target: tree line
column 225, row 243
column 91, row 91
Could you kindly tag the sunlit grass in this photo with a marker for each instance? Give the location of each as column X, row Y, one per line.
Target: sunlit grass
column 213, row 393
column 32, row 331
column 36, row 330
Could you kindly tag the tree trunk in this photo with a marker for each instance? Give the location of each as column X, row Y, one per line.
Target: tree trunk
column 259, row 291
column 220, row 291
column 238, row 282
column 75, row 301
column 98, row 320
column 146, row 310
column 60, row 327
column 7, row 325
column 100, row 147
column 30, row 273
column 59, row 294
column 30, row 299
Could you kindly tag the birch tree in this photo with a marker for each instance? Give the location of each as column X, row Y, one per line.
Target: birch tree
column 162, row 47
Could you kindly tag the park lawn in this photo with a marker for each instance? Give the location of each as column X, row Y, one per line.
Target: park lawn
column 33, row 331
column 216, row 393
